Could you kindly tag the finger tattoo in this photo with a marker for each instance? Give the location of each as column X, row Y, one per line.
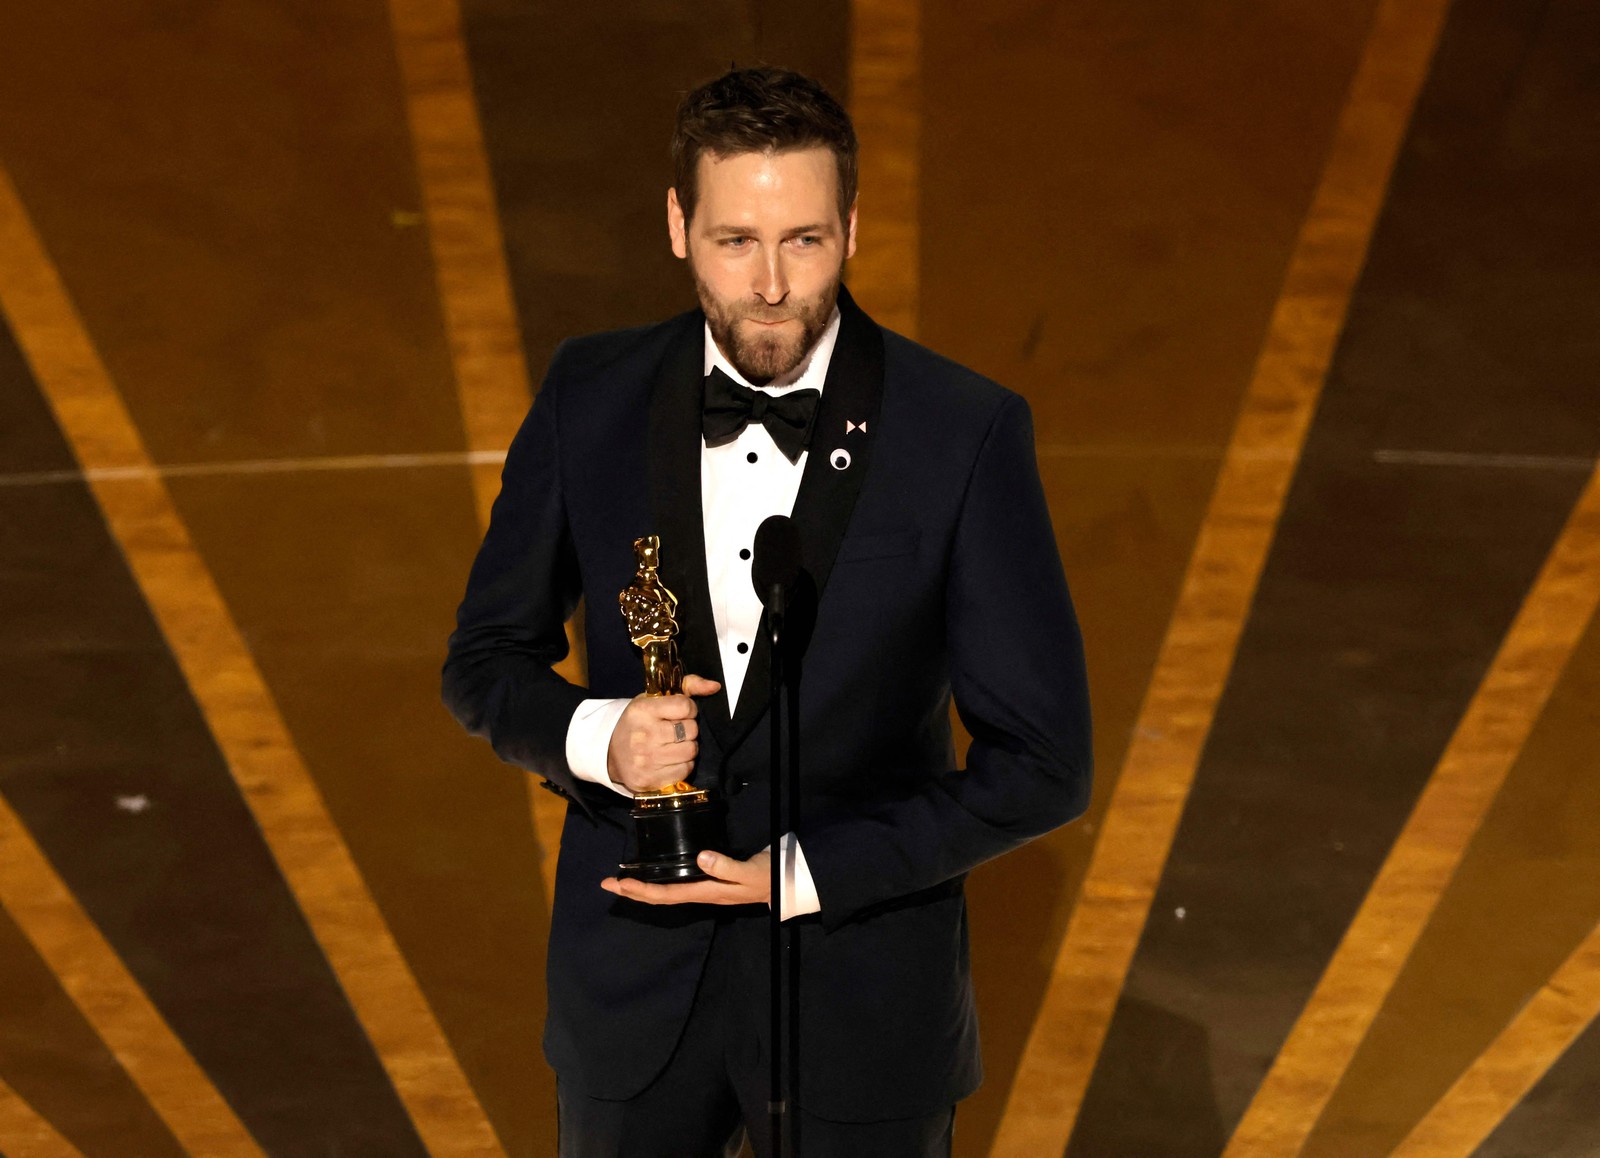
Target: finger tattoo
column 678, row 732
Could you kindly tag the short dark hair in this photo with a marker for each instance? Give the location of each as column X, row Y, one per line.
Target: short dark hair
column 760, row 110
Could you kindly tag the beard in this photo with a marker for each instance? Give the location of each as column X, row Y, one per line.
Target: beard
column 763, row 354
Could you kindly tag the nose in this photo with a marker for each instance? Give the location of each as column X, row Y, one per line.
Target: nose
column 772, row 280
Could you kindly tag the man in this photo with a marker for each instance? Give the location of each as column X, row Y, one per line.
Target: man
column 928, row 550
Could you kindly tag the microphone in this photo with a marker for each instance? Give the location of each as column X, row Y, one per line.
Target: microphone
column 777, row 562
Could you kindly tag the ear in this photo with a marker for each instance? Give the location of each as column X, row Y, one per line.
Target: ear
column 677, row 227
column 850, row 230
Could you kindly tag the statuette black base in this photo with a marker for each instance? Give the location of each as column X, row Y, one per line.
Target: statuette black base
column 669, row 831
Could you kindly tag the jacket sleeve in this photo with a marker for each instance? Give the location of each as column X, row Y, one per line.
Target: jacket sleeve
column 498, row 678
column 1017, row 675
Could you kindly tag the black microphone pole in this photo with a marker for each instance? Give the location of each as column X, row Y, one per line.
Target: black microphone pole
column 790, row 933
column 778, row 1104
column 775, row 567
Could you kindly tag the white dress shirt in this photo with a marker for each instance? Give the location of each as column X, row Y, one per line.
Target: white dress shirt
column 741, row 484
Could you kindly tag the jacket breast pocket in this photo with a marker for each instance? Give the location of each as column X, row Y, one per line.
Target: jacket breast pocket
column 855, row 548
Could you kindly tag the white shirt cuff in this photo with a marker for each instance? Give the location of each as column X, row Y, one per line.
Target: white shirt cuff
column 589, row 741
column 799, row 890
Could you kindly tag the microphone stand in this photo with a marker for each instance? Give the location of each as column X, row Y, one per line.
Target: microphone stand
column 774, row 572
column 790, row 933
column 778, row 1104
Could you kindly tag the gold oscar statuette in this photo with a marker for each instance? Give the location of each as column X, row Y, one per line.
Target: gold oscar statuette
column 674, row 823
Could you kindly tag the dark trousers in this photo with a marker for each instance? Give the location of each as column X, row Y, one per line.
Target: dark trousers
column 713, row 1092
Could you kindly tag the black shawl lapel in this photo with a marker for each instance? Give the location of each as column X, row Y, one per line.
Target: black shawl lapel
column 673, row 454
column 847, row 420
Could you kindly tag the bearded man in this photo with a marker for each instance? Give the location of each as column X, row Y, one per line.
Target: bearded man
column 926, row 542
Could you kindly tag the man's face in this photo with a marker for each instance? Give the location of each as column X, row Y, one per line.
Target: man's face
column 767, row 250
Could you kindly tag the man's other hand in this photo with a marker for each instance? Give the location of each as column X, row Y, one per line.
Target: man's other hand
column 736, row 882
column 656, row 740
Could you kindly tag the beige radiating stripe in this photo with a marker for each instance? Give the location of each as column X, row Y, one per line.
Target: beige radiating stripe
column 24, row 1134
column 1419, row 867
column 885, row 98
column 1231, row 548
column 474, row 285
column 1493, row 1085
column 108, row 996
column 234, row 698
column 464, row 231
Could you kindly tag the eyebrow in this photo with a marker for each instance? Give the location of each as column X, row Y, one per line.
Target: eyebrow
column 740, row 231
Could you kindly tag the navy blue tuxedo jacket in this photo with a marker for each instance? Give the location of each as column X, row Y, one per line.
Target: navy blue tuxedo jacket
column 931, row 567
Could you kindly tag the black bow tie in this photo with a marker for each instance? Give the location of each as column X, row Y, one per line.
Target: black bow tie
column 730, row 407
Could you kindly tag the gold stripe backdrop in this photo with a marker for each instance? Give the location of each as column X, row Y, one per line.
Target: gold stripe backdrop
column 238, row 707
column 1229, row 553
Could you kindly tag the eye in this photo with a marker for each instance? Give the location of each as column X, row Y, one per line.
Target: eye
column 808, row 240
